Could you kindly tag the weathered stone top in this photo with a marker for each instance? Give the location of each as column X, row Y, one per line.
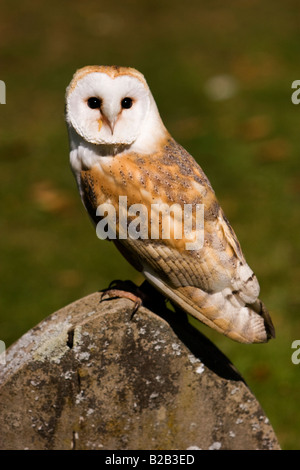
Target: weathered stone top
column 90, row 377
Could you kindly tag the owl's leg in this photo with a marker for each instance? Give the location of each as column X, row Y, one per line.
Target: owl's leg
column 140, row 295
column 123, row 289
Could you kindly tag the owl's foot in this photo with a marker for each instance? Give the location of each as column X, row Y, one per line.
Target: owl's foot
column 143, row 295
column 123, row 289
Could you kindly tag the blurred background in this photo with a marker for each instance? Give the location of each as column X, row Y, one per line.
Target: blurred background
column 221, row 74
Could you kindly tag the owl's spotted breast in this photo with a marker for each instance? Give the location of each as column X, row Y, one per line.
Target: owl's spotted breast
column 172, row 174
column 157, row 178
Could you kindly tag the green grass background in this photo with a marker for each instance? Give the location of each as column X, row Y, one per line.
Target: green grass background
column 248, row 145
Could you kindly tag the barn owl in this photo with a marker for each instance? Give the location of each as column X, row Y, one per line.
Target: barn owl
column 121, row 150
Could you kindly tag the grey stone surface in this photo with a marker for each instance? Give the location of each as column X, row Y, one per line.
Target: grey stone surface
column 90, row 377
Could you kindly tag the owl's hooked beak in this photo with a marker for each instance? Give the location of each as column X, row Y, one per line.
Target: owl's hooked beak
column 110, row 119
column 111, row 124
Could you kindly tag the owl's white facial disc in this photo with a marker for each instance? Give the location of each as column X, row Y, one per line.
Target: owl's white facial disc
column 107, row 110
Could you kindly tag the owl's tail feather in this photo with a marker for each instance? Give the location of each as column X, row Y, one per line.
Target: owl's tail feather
column 223, row 311
column 260, row 308
column 228, row 314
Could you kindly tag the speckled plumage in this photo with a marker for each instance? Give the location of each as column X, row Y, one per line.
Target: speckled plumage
column 213, row 283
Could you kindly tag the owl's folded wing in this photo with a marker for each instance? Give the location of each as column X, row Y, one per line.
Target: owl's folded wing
column 214, row 284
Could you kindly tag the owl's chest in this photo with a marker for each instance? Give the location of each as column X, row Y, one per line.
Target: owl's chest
column 146, row 180
column 139, row 180
column 106, row 184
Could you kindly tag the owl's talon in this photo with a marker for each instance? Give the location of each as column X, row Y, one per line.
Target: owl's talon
column 141, row 295
column 118, row 293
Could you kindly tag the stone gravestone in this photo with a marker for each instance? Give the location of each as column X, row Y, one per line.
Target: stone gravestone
column 91, row 377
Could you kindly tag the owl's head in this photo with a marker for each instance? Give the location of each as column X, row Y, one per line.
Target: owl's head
column 108, row 105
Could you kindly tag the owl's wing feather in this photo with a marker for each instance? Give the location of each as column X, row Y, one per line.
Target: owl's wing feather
column 223, row 310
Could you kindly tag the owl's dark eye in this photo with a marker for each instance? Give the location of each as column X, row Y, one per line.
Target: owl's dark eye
column 94, row 102
column 126, row 103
